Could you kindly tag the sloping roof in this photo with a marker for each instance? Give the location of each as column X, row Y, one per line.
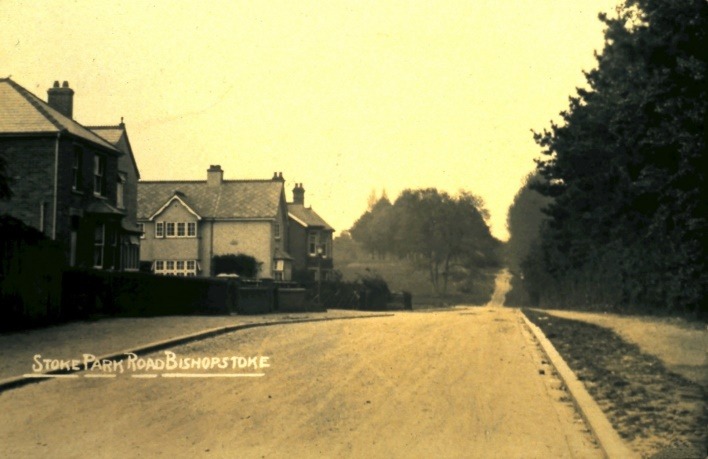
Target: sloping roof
column 118, row 137
column 306, row 216
column 112, row 134
column 281, row 254
column 21, row 112
column 233, row 199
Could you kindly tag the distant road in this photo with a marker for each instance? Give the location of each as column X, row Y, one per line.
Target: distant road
column 465, row 382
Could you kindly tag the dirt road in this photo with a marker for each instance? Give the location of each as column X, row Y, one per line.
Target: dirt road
column 462, row 383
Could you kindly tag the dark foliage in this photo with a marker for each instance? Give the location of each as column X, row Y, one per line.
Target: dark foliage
column 30, row 275
column 627, row 224
column 243, row 265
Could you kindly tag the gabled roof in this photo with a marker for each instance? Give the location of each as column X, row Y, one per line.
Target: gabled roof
column 306, row 216
column 21, row 112
column 177, row 196
column 232, row 200
column 118, row 137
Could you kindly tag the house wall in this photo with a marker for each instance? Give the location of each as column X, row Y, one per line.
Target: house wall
column 30, row 164
column 31, row 167
column 252, row 238
column 125, row 165
column 298, row 245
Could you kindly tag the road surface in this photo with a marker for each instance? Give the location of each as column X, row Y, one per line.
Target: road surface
column 465, row 382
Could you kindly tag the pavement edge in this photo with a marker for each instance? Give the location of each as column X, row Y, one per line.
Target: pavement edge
column 19, row 381
column 610, row 442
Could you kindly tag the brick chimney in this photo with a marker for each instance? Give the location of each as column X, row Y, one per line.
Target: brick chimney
column 61, row 99
column 299, row 194
column 214, row 176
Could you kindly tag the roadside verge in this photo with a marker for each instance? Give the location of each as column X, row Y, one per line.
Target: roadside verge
column 607, row 436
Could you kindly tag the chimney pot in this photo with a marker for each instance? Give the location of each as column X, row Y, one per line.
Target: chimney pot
column 214, row 175
column 61, row 99
column 299, row 194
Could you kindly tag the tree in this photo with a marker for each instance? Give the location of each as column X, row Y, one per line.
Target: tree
column 372, row 229
column 624, row 168
column 439, row 232
column 243, row 265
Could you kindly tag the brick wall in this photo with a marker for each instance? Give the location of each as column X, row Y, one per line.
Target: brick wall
column 30, row 164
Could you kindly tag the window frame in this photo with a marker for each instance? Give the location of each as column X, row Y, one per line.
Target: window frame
column 99, row 175
column 183, row 268
column 100, row 245
column 77, row 164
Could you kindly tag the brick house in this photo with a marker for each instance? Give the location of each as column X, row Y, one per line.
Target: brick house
column 66, row 179
column 310, row 239
column 187, row 223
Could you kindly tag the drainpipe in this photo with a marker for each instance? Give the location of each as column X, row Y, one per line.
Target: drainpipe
column 211, row 249
column 56, row 186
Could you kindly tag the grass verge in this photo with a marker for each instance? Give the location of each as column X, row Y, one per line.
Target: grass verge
column 657, row 412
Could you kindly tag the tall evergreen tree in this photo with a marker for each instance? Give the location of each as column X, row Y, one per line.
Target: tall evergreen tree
column 624, row 167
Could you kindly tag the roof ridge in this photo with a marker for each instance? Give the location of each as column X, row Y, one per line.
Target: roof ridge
column 36, row 102
column 204, row 181
column 106, row 126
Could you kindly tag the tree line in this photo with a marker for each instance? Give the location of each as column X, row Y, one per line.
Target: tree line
column 620, row 181
column 447, row 236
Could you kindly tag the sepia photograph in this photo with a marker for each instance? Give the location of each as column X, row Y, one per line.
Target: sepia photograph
column 353, row 229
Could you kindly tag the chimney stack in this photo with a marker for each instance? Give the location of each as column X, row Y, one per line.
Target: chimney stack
column 61, row 99
column 214, row 176
column 299, row 194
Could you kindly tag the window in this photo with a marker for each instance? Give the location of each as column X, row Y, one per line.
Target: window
column 176, row 229
column 276, row 230
column 99, row 172
column 76, row 169
column 141, row 227
column 120, row 191
column 312, row 244
column 99, row 240
column 176, row 267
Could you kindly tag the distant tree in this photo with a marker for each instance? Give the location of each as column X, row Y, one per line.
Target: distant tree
column 372, row 229
column 524, row 222
column 435, row 230
column 624, row 168
column 243, row 265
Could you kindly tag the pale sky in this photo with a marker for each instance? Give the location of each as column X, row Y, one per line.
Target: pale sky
column 343, row 96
